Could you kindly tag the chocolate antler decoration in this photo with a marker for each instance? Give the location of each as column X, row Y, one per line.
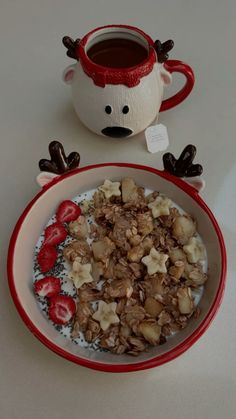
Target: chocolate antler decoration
column 59, row 163
column 162, row 49
column 182, row 167
column 71, row 47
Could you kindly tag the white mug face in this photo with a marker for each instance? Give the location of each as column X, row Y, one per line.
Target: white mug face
column 116, row 111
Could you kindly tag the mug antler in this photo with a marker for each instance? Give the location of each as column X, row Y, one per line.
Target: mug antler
column 162, row 49
column 71, row 45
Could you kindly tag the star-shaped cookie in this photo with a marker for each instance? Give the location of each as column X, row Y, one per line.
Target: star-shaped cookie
column 80, row 274
column 155, row 262
column 106, row 314
column 110, row 188
column 194, row 250
column 160, row 206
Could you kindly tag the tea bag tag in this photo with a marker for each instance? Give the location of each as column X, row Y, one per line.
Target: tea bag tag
column 156, row 138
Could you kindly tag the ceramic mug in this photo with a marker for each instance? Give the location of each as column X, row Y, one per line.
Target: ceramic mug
column 118, row 80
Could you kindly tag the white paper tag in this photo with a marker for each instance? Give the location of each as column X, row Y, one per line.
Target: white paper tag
column 156, row 138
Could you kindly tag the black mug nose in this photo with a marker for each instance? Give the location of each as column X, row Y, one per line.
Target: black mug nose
column 117, row 132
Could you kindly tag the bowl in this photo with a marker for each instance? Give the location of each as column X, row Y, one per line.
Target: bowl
column 32, row 222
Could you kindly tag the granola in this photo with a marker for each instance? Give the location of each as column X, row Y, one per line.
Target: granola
column 135, row 268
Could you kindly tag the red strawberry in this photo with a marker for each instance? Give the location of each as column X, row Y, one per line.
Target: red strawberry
column 61, row 309
column 54, row 234
column 47, row 257
column 67, row 211
column 47, row 287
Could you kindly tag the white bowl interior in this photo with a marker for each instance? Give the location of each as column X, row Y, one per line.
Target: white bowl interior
column 45, row 206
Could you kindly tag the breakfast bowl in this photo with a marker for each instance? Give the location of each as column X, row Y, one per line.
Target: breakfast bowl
column 57, row 188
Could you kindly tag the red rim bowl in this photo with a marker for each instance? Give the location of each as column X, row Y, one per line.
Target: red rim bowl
column 177, row 186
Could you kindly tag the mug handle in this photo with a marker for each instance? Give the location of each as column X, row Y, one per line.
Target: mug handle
column 176, row 66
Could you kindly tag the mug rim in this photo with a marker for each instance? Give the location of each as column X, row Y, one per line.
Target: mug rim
column 102, row 75
column 153, row 362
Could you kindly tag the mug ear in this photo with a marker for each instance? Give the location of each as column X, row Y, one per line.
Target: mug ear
column 68, row 74
column 165, row 76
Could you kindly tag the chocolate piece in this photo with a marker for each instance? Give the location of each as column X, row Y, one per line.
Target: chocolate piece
column 169, row 162
column 59, row 163
column 57, row 153
column 194, row 170
column 48, row 166
column 71, row 45
column 182, row 167
column 162, row 49
column 185, row 160
column 73, row 160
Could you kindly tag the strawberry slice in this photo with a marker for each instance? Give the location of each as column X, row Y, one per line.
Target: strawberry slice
column 48, row 286
column 47, row 257
column 54, row 234
column 67, row 211
column 61, row 309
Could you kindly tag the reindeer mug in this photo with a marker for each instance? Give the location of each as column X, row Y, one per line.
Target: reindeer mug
column 118, row 80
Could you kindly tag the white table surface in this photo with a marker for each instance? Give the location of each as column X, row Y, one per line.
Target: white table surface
column 35, row 108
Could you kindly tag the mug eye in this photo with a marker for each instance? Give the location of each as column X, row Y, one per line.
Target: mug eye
column 125, row 109
column 108, row 109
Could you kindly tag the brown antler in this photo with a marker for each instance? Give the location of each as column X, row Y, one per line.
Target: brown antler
column 71, row 46
column 59, row 163
column 162, row 49
column 183, row 166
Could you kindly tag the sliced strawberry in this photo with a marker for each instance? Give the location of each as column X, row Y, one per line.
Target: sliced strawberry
column 54, row 234
column 67, row 211
column 61, row 309
column 47, row 257
column 48, row 286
